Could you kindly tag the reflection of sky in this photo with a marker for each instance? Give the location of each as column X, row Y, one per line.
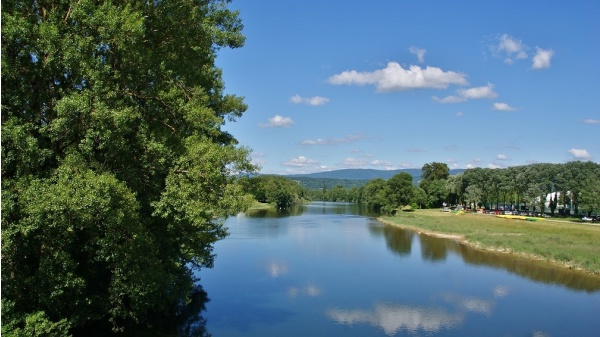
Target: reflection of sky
column 393, row 318
column 277, row 269
column 470, row 304
column 311, row 290
column 430, row 319
column 501, row 291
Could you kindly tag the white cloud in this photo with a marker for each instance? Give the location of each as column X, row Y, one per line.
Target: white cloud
column 318, row 141
column 580, row 153
column 510, row 49
column 333, row 141
column 542, row 59
column 501, row 157
column 314, row 101
column 300, row 161
column 477, row 161
column 503, row 107
column 378, row 162
column 478, row 92
column 278, row 122
column 396, row 78
column 419, row 52
column 296, row 99
column 258, row 158
column 493, row 166
column 353, row 162
column 471, row 93
column 591, row 121
column 459, row 114
column 452, row 164
column 385, row 164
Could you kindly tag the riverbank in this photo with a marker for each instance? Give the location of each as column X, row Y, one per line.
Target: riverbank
column 566, row 244
column 260, row 205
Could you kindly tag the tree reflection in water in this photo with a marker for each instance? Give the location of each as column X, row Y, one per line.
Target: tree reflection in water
column 183, row 321
column 435, row 249
column 397, row 241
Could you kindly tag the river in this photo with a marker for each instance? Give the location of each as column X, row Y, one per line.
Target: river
column 330, row 269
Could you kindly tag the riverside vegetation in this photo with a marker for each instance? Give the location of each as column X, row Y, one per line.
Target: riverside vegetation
column 116, row 174
column 568, row 244
column 117, row 177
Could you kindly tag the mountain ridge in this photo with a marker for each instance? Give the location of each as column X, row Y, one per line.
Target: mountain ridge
column 364, row 174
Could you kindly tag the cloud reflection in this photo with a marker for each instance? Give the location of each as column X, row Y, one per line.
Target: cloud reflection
column 393, row 318
column 500, row 291
column 470, row 304
column 277, row 269
column 311, row 290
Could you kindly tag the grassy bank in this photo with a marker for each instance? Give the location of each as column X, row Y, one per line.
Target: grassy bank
column 261, row 205
column 568, row 244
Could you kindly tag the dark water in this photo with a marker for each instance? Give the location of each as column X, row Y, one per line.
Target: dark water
column 328, row 269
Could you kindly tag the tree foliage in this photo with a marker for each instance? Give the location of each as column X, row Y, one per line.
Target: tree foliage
column 433, row 181
column 387, row 195
column 434, row 171
column 528, row 186
column 400, row 189
column 280, row 191
column 116, row 175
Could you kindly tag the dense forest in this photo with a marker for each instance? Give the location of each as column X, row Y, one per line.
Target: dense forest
column 571, row 188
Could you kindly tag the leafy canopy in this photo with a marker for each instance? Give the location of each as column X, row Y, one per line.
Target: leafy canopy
column 116, row 175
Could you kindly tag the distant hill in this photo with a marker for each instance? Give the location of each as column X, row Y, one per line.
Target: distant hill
column 365, row 174
column 353, row 177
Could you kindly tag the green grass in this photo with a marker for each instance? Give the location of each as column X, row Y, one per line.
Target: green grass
column 261, row 205
column 568, row 244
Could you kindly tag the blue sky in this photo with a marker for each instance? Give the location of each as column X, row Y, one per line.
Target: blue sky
column 397, row 84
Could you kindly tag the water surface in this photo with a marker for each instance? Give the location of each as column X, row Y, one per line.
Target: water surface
column 328, row 270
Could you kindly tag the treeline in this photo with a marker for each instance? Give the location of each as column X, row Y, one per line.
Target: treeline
column 280, row 191
column 574, row 188
column 328, row 183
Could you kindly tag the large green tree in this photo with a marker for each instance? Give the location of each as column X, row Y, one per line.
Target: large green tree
column 400, row 189
column 376, row 194
column 277, row 190
column 434, row 171
column 433, row 181
column 116, row 175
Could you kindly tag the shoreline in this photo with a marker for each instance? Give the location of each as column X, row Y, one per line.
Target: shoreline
column 461, row 239
column 455, row 237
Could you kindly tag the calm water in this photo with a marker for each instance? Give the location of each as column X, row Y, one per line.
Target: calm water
column 325, row 270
